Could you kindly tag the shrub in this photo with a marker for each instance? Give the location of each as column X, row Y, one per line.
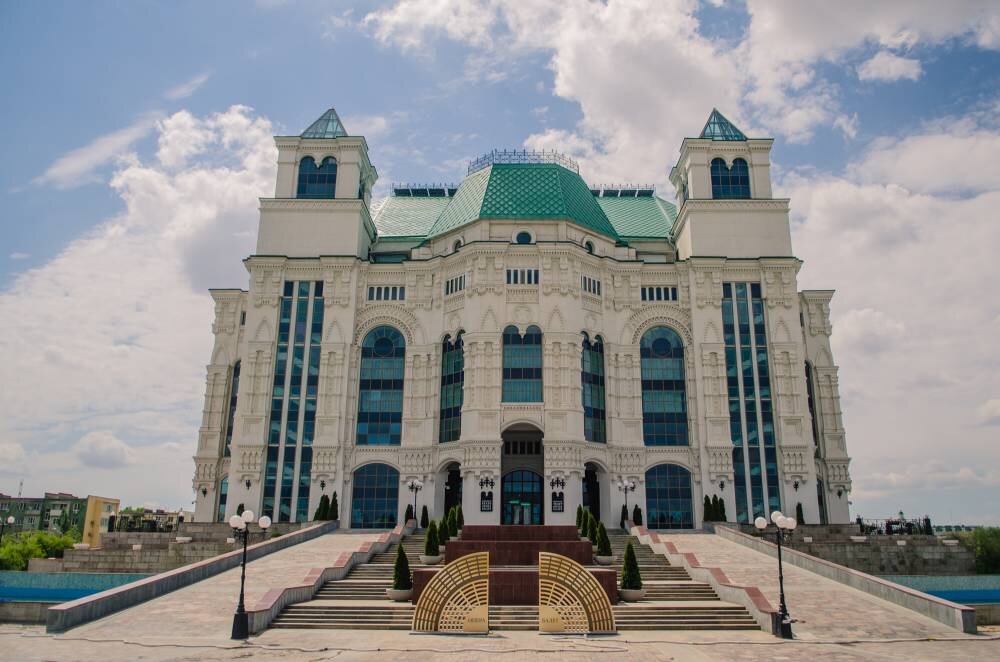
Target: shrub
column 717, row 509
column 708, row 510
column 323, row 509
column 409, row 514
column 603, row 542
column 799, row 517
column 624, row 516
column 592, row 529
column 637, row 515
column 985, row 544
column 423, row 518
column 401, row 580
column 431, row 540
column 19, row 548
column 722, row 511
column 453, row 523
column 443, row 531
column 631, row 579
column 334, row 511
column 579, row 516
column 461, row 518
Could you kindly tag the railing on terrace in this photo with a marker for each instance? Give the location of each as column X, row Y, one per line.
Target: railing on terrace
column 424, row 190
column 623, row 190
column 523, row 156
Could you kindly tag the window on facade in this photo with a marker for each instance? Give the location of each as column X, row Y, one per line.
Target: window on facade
column 592, row 381
column 452, row 381
column 374, row 497
column 319, row 182
column 590, row 285
column 220, row 515
column 234, row 388
column 523, row 237
column 730, row 183
column 456, row 246
column 453, row 285
column 522, row 276
column 522, row 365
column 658, row 293
column 664, row 401
column 380, row 397
column 589, row 246
column 387, row 293
column 668, row 498
column 751, row 418
column 811, row 400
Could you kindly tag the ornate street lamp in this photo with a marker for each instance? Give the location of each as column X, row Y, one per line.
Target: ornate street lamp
column 7, row 521
column 241, row 531
column 783, row 526
column 414, row 486
column 626, row 486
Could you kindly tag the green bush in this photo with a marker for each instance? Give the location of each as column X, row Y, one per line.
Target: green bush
column 453, row 523
column 423, row 518
column 401, row 580
column 624, row 516
column 443, row 531
column 579, row 517
column 334, row 510
column 603, row 542
column 409, row 514
column 708, row 511
column 985, row 544
column 323, row 509
column 431, row 540
column 592, row 528
column 461, row 518
column 800, row 518
column 637, row 515
column 18, row 548
column 631, row 579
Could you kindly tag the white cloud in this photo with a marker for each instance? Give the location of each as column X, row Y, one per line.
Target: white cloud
column 114, row 330
column 13, row 460
column 101, row 449
column 887, row 67
column 17, row 255
column 186, row 89
column 79, row 166
column 867, row 331
column 934, row 474
column 989, row 412
column 372, row 127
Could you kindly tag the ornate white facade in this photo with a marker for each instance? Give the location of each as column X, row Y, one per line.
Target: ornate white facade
column 696, row 254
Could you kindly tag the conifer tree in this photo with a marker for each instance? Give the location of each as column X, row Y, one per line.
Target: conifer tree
column 637, row 515
column 592, row 529
column 800, row 518
column 603, row 542
column 423, row 517
column 409, row 514
column 624, row 516
column 579, row 516
column 401, row 580
column 334, row 510
column 631, row 579
column 431, row 540
column 708, row 513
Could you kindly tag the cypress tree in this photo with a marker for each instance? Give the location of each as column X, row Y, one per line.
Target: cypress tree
column 401, row 580
column 423, row 517
column 461, row 518
column 631, row 579
column 624, row 516
column 323, row 509
column 799, row 517
column 722, row 511
column 409, row 514
column 334, row 511
column 431, row 540
column 443, row 531
column 637, row 515
column 928, row 528
column 708, row 511
column 603, row 542
column 453, row 524
column 579, row 516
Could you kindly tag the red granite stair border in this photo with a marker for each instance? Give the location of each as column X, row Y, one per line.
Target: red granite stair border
column 275, row 600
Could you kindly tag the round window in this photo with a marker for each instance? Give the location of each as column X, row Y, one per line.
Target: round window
column 383, row 347
column 524, row 237
column 661, row 347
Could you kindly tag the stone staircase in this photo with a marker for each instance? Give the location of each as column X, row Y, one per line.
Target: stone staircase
column 316, row 615
column 369, row 581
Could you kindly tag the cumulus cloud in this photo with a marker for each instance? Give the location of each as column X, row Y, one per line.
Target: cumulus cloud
column 101, row 449
column 989, row 412
column 186, row 89
column 887, row 67
column 868, row 331
column 18, row 255
column 13, row 460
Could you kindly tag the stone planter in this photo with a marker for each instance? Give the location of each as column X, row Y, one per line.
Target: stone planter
column 859, row 538
column 604, row 560
column 136, row 548
column 949, row 542
column 631, row 594
column 81, row 545
column 398, row 596
column 431, row 560
column 183, row 539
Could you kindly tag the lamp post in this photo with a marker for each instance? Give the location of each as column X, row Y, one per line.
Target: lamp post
column 241, row 531
column 414, row 486
column 7, row 521
column 782, row 525
column 626, row 486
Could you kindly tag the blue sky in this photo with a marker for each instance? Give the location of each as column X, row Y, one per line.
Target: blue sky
column 136, row 138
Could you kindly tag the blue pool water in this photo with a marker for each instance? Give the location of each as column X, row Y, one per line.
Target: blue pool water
column 963, row 589
column 58, row 586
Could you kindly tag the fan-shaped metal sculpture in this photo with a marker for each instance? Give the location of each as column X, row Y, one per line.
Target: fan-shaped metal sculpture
column 570, row 599
column 456, row 599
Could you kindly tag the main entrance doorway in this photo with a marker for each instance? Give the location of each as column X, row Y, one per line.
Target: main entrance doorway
column 453, row 487
column 522, row 466
column 592, row 491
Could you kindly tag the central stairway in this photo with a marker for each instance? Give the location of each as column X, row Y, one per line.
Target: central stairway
column 672, row 600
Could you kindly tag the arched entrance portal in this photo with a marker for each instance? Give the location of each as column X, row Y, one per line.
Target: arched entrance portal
column 453, row 487
column 592, row 490
column 522, row 466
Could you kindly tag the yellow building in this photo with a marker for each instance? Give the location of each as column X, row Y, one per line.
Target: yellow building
column 100, row 510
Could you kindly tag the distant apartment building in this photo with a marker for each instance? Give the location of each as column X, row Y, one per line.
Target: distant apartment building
column 91, row 515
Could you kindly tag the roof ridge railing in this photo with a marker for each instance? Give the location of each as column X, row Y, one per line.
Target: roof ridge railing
column 623, row 190
column 423, row 190
column 523, row 156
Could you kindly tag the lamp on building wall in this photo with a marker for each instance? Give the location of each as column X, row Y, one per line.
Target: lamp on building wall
column 840, row 493
column 722, row 484
column 322, row 485
column 241, row 531
column 795, row 485
column 783, row 526
column 557, row 483
column 247, row 483
column 204, row 491
column 486, row 482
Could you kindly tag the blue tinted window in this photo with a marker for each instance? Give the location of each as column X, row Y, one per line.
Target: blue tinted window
column 317, row 181
column 223, row 496
column 730, row 183
column 520, row 489
column 380, row 397
column 664, row 399
column 374, row 497
column 452, row 382
column 592, row 382
column 522, row 365
column 524, row 237
column 668, row 498
column 234, row 388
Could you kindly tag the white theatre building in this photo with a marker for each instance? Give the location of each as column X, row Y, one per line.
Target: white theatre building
column 521, row 343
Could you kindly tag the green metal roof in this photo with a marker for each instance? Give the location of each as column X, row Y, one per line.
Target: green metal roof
column 646, row 217
column 327, row 126
column 719, row 128
column 408, row 217
column 524, row 190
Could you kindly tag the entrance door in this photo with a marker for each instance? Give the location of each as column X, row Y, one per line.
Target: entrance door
column 592, row 491
column 453, row 488
column 522, row 498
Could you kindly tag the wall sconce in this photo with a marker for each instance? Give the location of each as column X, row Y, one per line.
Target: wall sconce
column 840, row 493
column 722, row 484
column 486, row 482
column 204, row 491
column 322, row 485
column 557, row 482
column 796, row 485
column 247, row 483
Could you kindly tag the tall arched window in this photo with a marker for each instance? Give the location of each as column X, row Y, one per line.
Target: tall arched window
column 592, row 383
column 234, row 388
column 317, row 182
column 730, row 183
column 664, row 402
column 220, row 515
column 374, row 497
column 452, row 381
column 522, row 365
column 380, row 391
column 668, row 498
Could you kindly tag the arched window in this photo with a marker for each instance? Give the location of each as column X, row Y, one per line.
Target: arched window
column 811, row 400
column 317, row 182
column 589, row 246
column 380, row 396
column 522, row 498
column 234, row 388
column 374, row 497
column 592, row 382
column 668, row 498
column 664, row 402
column 523, row 237
column 220, row 513
column 452, row 381
column 522, row 365
column 729, row 183
column 456, row 246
